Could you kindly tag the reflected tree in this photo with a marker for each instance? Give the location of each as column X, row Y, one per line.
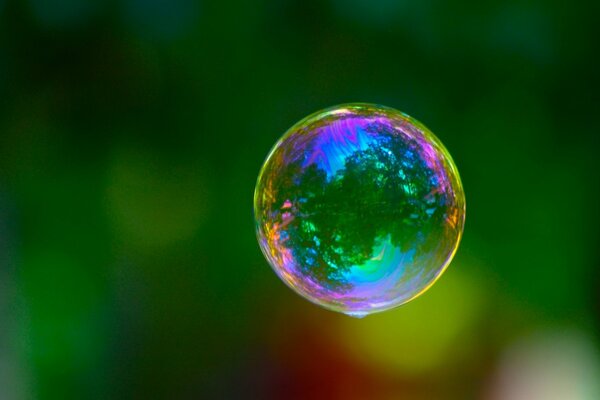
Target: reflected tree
column 385, row 190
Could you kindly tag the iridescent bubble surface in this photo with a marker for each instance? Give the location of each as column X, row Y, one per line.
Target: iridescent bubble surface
column 359, row 208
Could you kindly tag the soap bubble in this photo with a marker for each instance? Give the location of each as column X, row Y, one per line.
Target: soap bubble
column 359, row 208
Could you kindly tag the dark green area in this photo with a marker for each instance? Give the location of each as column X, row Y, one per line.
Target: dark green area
column 131, row 135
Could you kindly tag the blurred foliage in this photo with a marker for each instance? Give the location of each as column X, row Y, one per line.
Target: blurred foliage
column 131, row 135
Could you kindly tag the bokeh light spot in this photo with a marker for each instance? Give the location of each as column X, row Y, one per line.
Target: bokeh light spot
column 161, row 19
column 63, row 13
column 551, row 365
column 371, row 12
column 154, row 202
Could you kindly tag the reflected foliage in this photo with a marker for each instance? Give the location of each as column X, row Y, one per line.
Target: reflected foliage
column 385, row 190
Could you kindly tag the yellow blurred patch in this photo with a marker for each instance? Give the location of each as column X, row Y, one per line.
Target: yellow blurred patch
column 423, row 334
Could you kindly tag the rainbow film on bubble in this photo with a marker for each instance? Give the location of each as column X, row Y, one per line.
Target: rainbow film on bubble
column 359, row 208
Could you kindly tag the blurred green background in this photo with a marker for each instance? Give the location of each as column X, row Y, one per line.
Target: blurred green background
column 131, row 135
